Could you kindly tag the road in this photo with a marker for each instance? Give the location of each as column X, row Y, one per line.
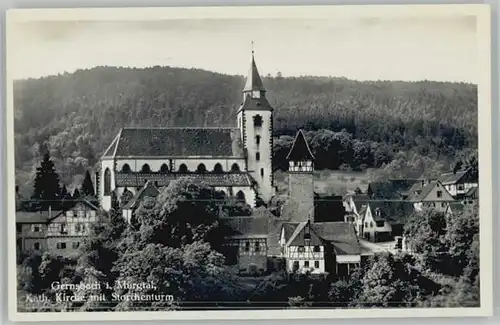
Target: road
column 368, row 247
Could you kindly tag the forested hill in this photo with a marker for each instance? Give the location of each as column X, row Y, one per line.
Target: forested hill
column 76, row 115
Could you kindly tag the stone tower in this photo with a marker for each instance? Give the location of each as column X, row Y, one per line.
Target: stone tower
column 255, row 120
column 301, row 179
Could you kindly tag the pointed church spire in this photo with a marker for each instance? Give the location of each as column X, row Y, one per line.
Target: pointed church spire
column 300, row 149
column 254, row 82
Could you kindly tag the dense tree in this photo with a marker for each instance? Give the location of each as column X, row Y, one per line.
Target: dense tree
column 87, row 185
column 28, row 277
column 46, row 186
column 187, row 211
column 462, row 230
column 453, row 293
column 425, row 236
column 343, row 292
column 393, row 281
column 446, row 244
column 192, row 273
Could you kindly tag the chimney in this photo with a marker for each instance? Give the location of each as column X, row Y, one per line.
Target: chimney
column 50, row 211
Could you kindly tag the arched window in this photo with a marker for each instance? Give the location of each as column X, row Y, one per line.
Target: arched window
column 107, row 181
column 218, row 168
column 201, row 168
column 235, row 168
column 164, row 169
column 146, row 168
column 183, row 168
column 126, row 168
column 240, row 196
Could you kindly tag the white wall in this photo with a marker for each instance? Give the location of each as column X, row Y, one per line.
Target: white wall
column 266, row 191
column 454, row 191
column 348, row 259
column 292, row 254
column 249, row 194
column 191, row 163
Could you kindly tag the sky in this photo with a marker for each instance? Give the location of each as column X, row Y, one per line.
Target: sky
column 411, row 49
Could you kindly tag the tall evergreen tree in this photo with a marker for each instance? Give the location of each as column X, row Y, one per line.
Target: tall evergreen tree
column 76, row 194
column 46, row 187
column 87, row 185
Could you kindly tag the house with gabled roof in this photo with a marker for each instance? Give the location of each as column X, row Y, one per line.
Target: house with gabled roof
column 236, row 160
column 59, row 232
column 459, row 183
column 331, row 247
column 432, row 195
column 471, row 197
column 383, row 220
column 392, row 188
column 246, row 246
column 353, row 205
column 31, row 229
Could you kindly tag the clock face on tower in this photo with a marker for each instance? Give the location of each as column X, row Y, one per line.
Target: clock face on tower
column 256, row 94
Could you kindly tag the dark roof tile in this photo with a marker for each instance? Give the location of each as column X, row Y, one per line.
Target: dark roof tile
column 340, row 234
column 300, row 150
column 139, row 179
column 394, row 212
column 274, row 233
column 253, row 82
column 452, row 178
column 247, row 226
column 176, row 142
column 36, row 217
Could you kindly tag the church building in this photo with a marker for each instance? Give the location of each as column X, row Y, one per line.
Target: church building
column 235, row 160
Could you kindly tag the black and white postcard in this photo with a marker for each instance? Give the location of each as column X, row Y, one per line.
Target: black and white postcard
column 249, row 162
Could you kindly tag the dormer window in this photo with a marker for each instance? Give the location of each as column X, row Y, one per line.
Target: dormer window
column 256, row 94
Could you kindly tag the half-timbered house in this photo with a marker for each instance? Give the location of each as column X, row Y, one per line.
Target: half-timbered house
column 331, row 247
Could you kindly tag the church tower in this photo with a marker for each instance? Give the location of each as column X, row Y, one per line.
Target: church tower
column 255, row 121
column 301, row 178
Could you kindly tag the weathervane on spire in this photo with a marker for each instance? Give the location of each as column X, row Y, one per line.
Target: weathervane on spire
column 252, row 49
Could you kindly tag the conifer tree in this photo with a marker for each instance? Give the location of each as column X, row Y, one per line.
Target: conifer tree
column 46, row 187
column 87, row 185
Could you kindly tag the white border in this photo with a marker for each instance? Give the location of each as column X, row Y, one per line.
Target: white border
column 482, row 12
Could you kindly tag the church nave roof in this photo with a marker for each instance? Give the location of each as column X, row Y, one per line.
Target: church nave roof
column 177, row 142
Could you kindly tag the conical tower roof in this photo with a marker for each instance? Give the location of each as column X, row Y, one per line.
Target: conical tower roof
column 254, row 82
column 300, row 150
